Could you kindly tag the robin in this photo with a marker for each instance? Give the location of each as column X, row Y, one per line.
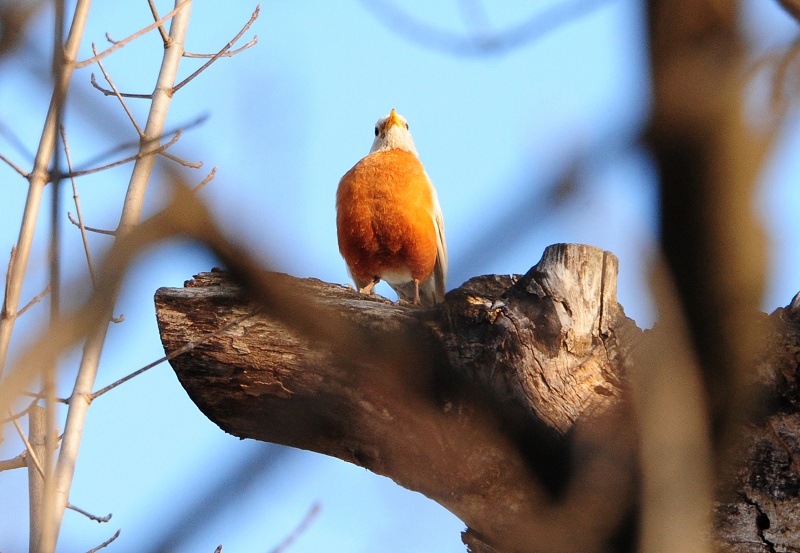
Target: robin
column 388, row 219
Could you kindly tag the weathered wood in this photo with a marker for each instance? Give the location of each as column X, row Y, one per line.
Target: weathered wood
column 546, row 341
column 436, row 429
column 509, row 408
column 759, row 506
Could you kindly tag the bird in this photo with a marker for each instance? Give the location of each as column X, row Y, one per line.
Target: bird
column 388, row 220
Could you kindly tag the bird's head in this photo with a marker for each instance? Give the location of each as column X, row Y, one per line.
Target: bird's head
column 391, row 132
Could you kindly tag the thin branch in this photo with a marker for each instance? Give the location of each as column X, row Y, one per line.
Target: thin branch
column 225, row 48
column 119, row 44
column 24, row 412
column 38, row 421
column 116, row 91
column 302, row 527
column 137, row 144
column 90, row 229
column 88, row 515
column 109, row 39
column 5, row 313
column 107, row 92
column 228, row 54
column 164, row 36
column 181, row 161
column 79, row 223
column 105, row 543
column 77, row 201
column 14, row 166
column 42, row 421
column 137, row 156
column 17, row 462
column 40, row 395
column 206, row 180
column 180, row 351
column 35, row 300
column 15, row 141
column 28, row 445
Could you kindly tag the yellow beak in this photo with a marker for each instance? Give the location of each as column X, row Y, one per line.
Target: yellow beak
column 394, row 119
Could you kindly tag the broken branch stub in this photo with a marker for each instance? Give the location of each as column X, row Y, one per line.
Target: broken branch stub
column 549, row 341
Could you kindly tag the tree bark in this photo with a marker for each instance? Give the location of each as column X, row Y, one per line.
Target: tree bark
column 507, row 404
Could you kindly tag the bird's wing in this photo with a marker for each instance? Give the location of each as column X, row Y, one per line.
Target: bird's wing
column 440, row 268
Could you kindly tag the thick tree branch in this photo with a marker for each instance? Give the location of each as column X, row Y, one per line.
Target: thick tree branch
column 437, row 429
column 509, row 407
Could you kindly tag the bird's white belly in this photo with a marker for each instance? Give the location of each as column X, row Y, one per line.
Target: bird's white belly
column 396, row 277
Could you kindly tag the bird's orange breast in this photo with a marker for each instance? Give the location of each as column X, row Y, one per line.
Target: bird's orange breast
column 384, row 216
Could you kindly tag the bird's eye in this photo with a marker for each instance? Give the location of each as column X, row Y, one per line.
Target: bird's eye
column 376, row 131
column 406, row 126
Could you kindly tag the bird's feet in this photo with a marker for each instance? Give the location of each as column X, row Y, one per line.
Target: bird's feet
column 369, row 288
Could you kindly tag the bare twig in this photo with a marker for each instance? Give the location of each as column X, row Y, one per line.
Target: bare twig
column 105, row 543
column 164, row 36
column 181, row 161
column 20, row 414
column 137, row 156
column 7, row 290
column 42, row 421
column 90, row 229
column 225, row 48
column 116, row 91
column 40, row 395
column 137, row 144
column 88, row 515
column 228, row 54
column 15, row 141
column 206, row 180
column 302, row 527
column 180, row 351
column 28, row 446
column 76, row 199
column 39, row 297
column 17, row 462
column 120, row 43
column 107, row 92
column 14, row 166
column 37, row 434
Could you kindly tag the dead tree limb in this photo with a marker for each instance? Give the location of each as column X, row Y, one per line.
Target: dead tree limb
column 511, row 411
column 544, row 344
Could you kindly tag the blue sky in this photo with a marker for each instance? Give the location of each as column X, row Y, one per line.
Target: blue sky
column 285, row 120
